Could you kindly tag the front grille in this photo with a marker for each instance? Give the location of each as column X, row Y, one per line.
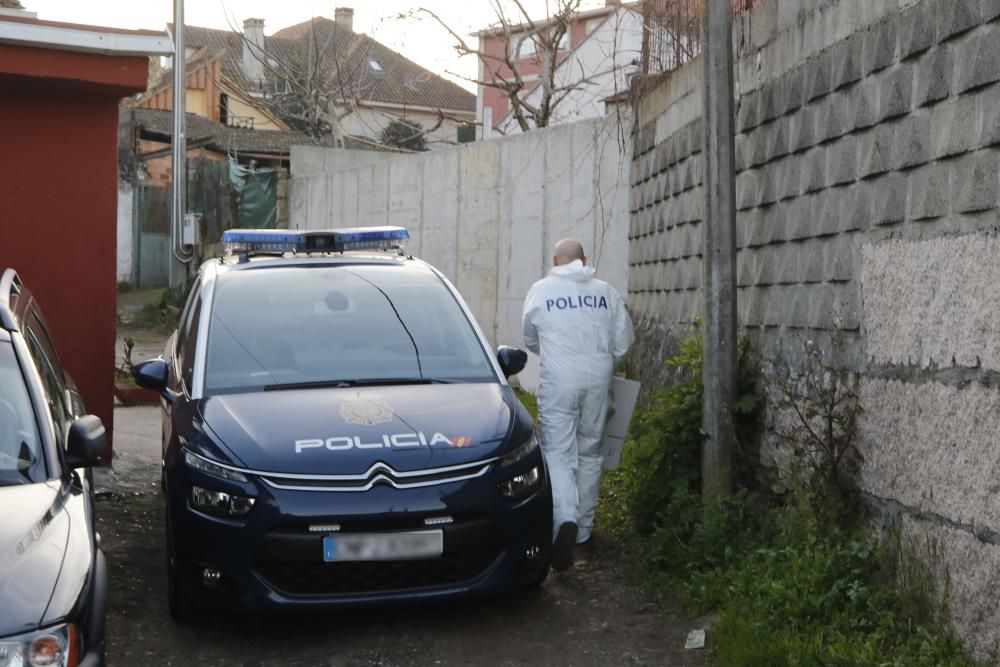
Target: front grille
column 318, row 578
column 290, row 560
column 378, row 473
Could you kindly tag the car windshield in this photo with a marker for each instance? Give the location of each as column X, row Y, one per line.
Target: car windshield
column 282, row 327
column 20, row 447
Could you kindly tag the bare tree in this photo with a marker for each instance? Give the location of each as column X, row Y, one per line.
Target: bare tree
column 502, row 71
column 314, row 80
column 311, row 82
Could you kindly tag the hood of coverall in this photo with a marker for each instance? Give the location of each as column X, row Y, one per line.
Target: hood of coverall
column 575, row 271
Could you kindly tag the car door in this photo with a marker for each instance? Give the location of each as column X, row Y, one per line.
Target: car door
column 181, row 353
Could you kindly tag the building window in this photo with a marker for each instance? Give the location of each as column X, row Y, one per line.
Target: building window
column 563, row 41
column 466, row 132
column 224, row 108
column 375, row 65
column 525, row 47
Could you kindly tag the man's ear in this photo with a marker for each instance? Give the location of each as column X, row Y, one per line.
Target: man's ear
column 584, row 260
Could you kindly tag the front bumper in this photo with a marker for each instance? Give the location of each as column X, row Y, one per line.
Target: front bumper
column 272, row 561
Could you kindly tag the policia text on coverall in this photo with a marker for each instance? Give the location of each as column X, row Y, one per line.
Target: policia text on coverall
column 579, row 326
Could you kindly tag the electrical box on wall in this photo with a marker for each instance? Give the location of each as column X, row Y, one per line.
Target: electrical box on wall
column 191, row 229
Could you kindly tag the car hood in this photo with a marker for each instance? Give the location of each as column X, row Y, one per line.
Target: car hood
column 34, row 529
column 346, row 430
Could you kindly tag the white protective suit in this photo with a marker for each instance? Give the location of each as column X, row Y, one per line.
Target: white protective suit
column 579, row 326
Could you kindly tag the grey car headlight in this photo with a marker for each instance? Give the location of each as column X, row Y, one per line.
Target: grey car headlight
column 523, row 485
column 58, row 646
column 210, row 468
column 522, row 452
column 220, row 503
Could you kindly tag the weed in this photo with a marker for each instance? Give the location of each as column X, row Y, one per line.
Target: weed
column 822, row 437
column 162, row 314
column 529, row 401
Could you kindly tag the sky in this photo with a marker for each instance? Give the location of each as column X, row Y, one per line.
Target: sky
column 420, row 40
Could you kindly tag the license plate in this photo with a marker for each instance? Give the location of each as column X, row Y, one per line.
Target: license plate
column 383, row 546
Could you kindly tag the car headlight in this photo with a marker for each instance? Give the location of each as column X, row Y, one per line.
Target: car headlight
column 57, row 646
column 523, row 485
column 529, row 446
column 210, row 468
column 220, row 503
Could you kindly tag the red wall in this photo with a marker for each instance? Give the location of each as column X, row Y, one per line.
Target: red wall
column 59, row 191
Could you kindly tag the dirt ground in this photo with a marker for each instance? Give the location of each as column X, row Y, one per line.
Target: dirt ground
column 587, row 616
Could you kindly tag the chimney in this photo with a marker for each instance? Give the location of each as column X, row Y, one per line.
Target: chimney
column 253, row 49
column 344, row 17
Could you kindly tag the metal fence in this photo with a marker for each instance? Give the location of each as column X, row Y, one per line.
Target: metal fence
column 672, row 31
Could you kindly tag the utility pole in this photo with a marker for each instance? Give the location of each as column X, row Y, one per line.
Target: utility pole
column 178, row 273
column 719, row 367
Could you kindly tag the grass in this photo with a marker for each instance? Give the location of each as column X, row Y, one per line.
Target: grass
column 529, row 401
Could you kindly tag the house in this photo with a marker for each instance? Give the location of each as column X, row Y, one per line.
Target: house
column 60, row 84
column 255, row 81
column 602, row 50
column 599, row 51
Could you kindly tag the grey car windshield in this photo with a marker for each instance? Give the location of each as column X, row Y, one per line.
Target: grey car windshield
column 20, row 449
column 285, row 326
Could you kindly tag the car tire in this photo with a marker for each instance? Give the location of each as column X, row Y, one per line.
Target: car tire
column 540, row 578
column 181, row 607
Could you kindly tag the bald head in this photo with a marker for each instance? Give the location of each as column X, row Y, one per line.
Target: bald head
column 566, row 251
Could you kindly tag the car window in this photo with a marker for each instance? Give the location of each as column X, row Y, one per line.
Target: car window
column 324, row 323
column 191, row 335
column 45, row 362
column 21, row 459
column 185, row 319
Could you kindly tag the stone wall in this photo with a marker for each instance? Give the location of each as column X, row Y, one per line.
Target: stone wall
column 868, row 190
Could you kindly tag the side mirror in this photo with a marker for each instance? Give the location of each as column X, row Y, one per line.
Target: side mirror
column 86, row 442
column 152, row 375
column 512, row 360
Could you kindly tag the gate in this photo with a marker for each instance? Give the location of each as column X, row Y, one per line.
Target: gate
column 151, row 221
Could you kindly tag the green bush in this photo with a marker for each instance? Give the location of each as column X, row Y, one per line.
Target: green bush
column 791, row 585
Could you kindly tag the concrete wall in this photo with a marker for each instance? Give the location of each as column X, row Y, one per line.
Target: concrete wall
column 126, row 232
column 487, row 214
column 868, row 194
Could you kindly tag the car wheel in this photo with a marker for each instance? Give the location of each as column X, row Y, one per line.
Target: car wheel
column 182, row 609
column 540, row 579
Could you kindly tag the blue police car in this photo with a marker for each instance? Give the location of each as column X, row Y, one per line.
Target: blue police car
column 336, row 432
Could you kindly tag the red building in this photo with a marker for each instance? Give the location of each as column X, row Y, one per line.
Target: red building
column 60, row 85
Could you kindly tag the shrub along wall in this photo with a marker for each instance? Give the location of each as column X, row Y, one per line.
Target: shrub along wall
column 868, row 185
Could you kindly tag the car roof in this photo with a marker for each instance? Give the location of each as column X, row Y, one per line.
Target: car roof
column 232, row 264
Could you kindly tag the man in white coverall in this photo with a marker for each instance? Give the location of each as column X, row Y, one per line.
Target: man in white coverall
column 579, row 326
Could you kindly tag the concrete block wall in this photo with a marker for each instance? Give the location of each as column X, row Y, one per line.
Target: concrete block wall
column 868, row 189
column 485, row 214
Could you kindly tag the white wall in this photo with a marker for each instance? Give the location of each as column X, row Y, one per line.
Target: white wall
column 487, row 214
column 125, row 233
column 369, row 122
column 600, row 65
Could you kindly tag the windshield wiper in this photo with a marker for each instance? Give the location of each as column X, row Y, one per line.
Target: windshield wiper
column 356, row 382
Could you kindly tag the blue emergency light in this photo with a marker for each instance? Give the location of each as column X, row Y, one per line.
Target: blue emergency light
column 309, row 241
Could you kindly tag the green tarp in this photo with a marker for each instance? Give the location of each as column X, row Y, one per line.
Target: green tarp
column 256, row 195
column 228, row 195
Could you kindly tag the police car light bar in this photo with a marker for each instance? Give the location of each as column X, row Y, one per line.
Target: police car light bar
column 320, row 240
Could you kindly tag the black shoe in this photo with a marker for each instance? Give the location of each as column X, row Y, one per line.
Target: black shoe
column 562, row 549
